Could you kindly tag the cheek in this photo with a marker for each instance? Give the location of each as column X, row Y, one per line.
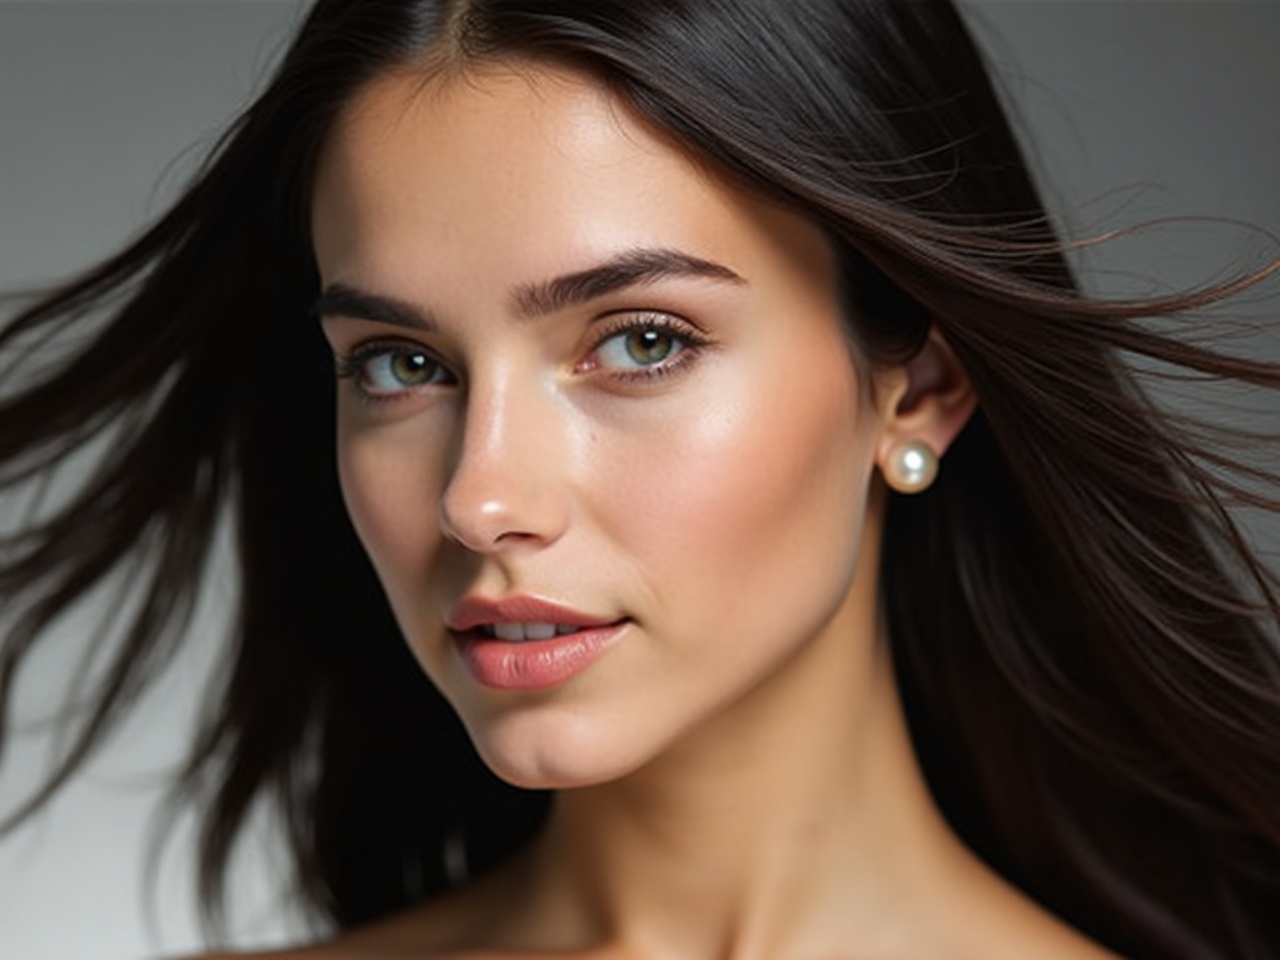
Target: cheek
column 780, row 508
column 749, row 511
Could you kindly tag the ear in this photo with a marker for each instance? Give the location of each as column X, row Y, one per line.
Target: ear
column 927, row 400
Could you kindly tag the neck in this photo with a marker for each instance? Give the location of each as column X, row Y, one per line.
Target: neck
column 783, row 841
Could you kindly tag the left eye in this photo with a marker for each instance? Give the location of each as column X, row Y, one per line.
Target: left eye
column 646, row 346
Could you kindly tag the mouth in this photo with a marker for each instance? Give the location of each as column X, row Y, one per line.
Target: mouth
column 519, row 618
column 522, row 643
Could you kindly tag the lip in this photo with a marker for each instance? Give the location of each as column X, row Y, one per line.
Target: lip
column 471, row 612
column 528, row 664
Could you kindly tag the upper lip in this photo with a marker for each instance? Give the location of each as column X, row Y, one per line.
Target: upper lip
column 471, row 612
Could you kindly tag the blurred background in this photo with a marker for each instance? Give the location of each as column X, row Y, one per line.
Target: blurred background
column 1133, row 110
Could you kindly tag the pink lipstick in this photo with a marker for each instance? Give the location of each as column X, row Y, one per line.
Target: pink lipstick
column 522, row 643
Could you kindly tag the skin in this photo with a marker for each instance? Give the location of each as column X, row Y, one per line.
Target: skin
column 735, row 775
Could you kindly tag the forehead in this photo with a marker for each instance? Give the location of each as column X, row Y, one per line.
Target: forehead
column 524, row 171
column 511, row 121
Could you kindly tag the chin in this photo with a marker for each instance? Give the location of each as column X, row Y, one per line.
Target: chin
column 555, row 752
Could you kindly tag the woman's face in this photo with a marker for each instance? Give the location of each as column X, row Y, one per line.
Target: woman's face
column 588, row 389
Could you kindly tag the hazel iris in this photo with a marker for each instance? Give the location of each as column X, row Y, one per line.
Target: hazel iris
column 411, row 369
column 649, row 346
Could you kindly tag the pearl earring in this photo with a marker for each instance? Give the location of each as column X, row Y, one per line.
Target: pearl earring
column 911, row 468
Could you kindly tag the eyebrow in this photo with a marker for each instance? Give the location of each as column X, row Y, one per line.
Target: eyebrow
column 629, row 269
column 341, row 300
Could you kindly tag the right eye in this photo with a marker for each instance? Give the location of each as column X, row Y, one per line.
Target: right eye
column 385, row 371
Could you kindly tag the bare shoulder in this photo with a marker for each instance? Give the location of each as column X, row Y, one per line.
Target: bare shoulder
column 1016, row 927
column 440, row 928
column 370, row 944
column 335, row 950
column 316, row 952
column 362, row 948
column 376, row 942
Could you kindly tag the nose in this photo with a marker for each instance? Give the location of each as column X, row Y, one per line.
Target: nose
column 506, row 486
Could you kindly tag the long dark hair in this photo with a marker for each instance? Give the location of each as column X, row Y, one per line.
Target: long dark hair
column 1085, row 642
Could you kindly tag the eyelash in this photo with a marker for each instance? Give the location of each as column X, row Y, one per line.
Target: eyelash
column 691, row 342
column 354, row 365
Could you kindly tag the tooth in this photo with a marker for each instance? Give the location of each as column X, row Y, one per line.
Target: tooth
column 509, row 631
column 539, row 631
column 562, row 631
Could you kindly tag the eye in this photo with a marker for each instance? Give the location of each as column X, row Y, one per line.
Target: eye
column 639, row 347
column 646, row 345
column 383, row 371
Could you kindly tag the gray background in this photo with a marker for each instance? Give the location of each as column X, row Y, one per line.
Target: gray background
column 1137, row 110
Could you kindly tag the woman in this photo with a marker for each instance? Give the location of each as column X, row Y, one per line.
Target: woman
column 651, row 323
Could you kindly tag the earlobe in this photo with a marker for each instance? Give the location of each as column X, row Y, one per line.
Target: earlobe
column 925, row 408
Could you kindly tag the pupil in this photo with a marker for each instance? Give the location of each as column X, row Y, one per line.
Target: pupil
column 649, row 346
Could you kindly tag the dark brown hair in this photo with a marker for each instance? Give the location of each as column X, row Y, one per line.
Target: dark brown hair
column 1085, row 643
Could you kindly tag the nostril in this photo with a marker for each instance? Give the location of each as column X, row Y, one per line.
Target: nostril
column 485, row 524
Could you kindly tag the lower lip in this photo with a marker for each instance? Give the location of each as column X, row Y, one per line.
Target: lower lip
column 535, row 664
